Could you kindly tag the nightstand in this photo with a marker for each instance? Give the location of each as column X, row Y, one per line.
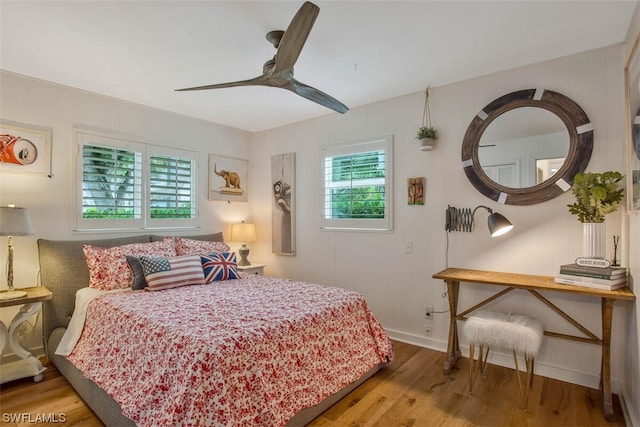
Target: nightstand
column 28, row 365
column 257, row 269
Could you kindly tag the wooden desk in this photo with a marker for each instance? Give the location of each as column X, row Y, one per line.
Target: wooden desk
column 534, row 284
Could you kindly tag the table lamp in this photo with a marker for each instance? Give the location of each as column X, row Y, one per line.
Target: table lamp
column 243, row 233
column 13, row 222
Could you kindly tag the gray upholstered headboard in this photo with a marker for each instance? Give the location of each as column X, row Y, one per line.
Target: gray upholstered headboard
column 63, row 271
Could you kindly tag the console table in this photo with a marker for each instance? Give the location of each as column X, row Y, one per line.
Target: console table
column 533, row 284
column 28, row 365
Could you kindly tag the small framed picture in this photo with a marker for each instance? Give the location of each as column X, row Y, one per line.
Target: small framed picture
column 228, row 178
column 415, row 191
column 24, row 149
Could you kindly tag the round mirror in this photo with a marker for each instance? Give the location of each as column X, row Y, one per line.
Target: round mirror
column 525, row 147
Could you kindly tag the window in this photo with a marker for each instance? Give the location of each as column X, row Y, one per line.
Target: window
column 357, row 185
column 125, row 185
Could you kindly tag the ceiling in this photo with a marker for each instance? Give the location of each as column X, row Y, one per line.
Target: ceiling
column 358, row 51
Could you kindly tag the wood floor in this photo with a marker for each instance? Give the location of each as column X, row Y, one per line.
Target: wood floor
column 412, row 391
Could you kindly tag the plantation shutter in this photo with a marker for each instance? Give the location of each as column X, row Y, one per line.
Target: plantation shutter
column 170, row 187
column 357, row 186
column 110, row 183
column 123, row 184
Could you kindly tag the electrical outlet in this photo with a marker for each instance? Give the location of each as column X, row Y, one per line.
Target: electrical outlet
column 408, row 248
column 428, row 312
column 428, row 328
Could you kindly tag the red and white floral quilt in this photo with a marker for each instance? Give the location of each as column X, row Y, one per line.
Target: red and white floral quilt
column 247, row 352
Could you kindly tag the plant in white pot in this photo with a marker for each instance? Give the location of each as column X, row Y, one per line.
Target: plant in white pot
column 427, row 134
column 597, row 195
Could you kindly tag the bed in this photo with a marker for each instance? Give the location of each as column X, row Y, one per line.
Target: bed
column 249, row 351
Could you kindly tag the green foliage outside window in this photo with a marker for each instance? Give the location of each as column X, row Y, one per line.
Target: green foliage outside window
column 355, row 200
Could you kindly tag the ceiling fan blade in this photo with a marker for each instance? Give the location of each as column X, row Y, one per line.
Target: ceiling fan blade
column 256, row 81
column 316, row 96
column 295, row 36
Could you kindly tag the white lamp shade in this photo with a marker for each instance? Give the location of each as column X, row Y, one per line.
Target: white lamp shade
column 243, row 232
column 15, row 222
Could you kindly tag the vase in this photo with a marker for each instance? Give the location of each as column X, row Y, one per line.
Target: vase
column 593, row 240
column 426, row 144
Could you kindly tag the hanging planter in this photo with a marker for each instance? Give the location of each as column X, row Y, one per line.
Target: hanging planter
column 427, row 136
column 426, row 133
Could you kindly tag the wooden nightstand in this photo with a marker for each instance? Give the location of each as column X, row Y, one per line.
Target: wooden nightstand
column 28, row 365
column 257, row 269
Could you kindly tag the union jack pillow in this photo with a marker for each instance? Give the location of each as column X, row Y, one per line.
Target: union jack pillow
column 219, row 266
column 172, row 272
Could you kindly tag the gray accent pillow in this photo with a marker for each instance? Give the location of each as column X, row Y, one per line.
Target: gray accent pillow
column 139, row 282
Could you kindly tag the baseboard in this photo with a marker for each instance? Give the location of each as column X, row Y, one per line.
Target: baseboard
column 631, row 416
column 506, row 360
column 425, row 342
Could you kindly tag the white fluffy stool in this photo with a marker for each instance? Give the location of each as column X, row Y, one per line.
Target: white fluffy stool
column 516, row 332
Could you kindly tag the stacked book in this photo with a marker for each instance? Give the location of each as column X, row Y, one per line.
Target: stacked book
column 608, row 278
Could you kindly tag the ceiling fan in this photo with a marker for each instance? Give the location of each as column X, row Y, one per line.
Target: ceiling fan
column 278, row 71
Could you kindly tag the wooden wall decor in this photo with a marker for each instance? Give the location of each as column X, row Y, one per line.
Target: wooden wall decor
column 415, row 191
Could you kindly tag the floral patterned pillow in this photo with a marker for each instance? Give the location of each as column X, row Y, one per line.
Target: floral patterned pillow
column 190, row 246
column 108, row 268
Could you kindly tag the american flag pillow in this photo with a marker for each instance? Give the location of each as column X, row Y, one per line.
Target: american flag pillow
column 166, row 273
column 218, row 266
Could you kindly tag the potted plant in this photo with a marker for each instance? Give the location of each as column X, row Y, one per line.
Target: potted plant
column 597, row 195
column 427, row 135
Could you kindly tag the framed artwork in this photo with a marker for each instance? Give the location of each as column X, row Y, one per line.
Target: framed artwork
column 632, row 81
column 415, row 190
column 228, row 178
column 283, row 239
column 25, row 149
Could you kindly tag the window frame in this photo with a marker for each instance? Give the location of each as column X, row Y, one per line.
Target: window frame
column 385, row 224
column 146, row 151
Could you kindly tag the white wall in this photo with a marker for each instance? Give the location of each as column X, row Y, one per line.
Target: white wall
column 51, row 200
column 398, row 285
column 632, row 356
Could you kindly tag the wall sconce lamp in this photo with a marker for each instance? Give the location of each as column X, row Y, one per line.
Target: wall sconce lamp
column 243, row 233
column 13, row 222
column 462, row 220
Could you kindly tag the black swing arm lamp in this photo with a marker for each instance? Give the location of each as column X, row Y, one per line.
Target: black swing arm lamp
column 463, row 220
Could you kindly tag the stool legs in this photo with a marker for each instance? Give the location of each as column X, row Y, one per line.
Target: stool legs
column 524, row 389
column 480, row 364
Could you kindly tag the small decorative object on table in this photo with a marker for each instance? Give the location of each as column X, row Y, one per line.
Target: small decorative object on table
column 597, row 194
column 614, row 262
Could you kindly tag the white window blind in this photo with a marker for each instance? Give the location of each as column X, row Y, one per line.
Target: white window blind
column 111, row 183
column 357, row 183
column 125, row 184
